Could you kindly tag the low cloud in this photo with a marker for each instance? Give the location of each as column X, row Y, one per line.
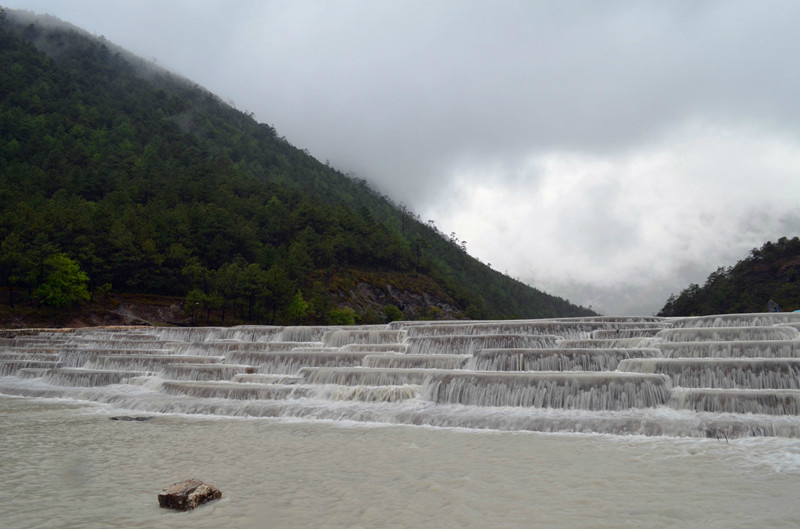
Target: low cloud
column 608, row 152
column 603, row 230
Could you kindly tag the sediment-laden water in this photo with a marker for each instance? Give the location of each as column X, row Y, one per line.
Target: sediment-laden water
column 69, row 466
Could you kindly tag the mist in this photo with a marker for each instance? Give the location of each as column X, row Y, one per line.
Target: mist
column 609, row 153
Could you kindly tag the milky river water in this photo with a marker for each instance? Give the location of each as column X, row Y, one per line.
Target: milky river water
column 67, row 465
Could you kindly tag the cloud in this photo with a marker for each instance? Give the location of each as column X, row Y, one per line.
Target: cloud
column 647, row 221
column 605, row 151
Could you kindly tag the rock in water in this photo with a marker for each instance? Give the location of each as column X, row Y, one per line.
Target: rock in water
column 187, row 494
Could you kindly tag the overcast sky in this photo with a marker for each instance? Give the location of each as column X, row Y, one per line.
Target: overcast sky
column 610, row 152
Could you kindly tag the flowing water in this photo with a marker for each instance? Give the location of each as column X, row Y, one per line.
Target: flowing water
column 595, row 422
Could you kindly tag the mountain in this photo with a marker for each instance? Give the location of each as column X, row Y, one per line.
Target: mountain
column 117, row 176
column 767, row 273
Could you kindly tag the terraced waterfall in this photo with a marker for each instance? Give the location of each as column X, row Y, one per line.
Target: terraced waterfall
column 718, row 376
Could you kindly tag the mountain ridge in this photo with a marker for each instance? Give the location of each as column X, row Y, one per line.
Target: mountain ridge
column 152, row 184
column 769, row 273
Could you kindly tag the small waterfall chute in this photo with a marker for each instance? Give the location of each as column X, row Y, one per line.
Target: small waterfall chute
column 744, row 373
column 728, row 334
column 416, row 361
column 587, row 391
column 559, row 359
column 539, row 375
column 469, row 343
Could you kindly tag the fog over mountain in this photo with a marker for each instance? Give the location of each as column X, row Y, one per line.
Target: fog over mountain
column 606, row 152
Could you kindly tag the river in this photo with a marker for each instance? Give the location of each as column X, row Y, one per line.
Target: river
column 67, row 465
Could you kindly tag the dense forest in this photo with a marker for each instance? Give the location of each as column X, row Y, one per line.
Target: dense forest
column 116, row 176
column 768, row 273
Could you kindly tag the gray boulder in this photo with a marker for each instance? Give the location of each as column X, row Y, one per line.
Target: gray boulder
column 187, row 494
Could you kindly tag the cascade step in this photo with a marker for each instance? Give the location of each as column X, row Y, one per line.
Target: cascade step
column 147, row 362
column 743, row 372
column 625, row 333
column 339, row 338
column 761, row 319
column 75, row 376
column 554, row 359
column 304, row 334
column 263, row 378
column 587, row 391
column 33, row 372
column 363, row 376
column 729, row 334
column 376, row 348
column 79, row 357
column 469, row 343
column 415, row 361
column 244, row 333
column 206, row 371
column 291, row 362
column 235, row 390
column 606, row 343
column 726, row 373
column 244, row 391
column 762, row 401
column 50, row 357
column 750, row 349
column 11, row 367
column 560, row 328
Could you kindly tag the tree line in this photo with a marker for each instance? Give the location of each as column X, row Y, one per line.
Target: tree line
column 767, row 273
column 147, row 183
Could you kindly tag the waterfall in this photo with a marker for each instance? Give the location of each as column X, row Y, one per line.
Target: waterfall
column 376, row 348
column 736, row 374
column 750, row 349
column 292, row 361
column 767, row 401
column 363, row 376
column 765, row 319
column 562, row 329
column 468, row 343
column 235, row 390
column 145, row 362
column 606, row 359
column 416, row 361
column 634, row 332
column 729, row 334
column 200, row 371
column 10, row 367
column 339, row 338
column 604, row 343
column 586, row 391
column 753, row 373
column 303, row 334
column 69, row 376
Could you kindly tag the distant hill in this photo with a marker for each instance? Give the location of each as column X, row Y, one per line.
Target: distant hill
column 118, row 176
column 770, row 272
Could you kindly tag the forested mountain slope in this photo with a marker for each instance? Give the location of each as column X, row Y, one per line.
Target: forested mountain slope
column 116, row 175
column 770, row 272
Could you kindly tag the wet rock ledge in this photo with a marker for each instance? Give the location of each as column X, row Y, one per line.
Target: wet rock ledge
column 187, row 494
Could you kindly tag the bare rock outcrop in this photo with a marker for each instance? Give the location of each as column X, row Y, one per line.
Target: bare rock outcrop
column 187, row 494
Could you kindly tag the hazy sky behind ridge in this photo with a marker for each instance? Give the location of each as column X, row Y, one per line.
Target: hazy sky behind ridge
column 606, row 152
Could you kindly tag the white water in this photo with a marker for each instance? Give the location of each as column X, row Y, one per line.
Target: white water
column 570, row 373
column 701, row 431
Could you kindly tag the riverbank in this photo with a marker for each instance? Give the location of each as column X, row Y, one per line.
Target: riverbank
column 121, row 309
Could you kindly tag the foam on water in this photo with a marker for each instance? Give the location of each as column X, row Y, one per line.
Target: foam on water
column 636, row 376
column 587, row 359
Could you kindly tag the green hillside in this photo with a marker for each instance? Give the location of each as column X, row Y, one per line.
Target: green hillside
column 769, row 272
column 116, row 176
